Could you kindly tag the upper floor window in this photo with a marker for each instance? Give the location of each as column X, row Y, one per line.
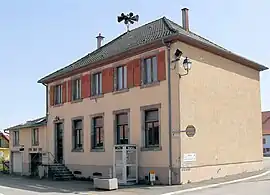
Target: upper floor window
column 97, row 84
column 121, row 77
column 16, row 138
column 97, row 132
column 76, row 89
column 264, row 141
column 35, row 137
column 77, row 132
column 150, row 70
column 57, row 94
column 151, row 128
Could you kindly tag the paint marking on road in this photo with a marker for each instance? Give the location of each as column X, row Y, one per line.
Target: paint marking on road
column 216, row 185
column 16, row 189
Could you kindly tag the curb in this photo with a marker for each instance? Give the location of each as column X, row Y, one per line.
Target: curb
column 216, row 185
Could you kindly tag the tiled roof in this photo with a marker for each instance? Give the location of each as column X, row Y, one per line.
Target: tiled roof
column 29, row 124
column 266, row 122
column 143, row 35
column 4, row 136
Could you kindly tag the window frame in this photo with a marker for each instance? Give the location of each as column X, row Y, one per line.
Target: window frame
column 76, row 89
column 16, row 142
column 94, row 147
column 144, row 70
column 58, row 100
column 124, row 77
column 116, row 114
column 35, row 136
column 95, row 85
column 75, row 131
column 145, row 145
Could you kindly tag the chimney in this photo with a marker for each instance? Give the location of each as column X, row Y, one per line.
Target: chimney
column 99, row 40
column 185, row 21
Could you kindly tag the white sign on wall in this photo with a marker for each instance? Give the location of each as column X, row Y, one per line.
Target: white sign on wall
column 189, row 157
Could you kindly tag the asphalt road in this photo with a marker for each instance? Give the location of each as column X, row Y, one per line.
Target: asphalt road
column 260, row 186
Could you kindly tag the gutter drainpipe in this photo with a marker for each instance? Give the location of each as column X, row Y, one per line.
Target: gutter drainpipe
column 169, row 108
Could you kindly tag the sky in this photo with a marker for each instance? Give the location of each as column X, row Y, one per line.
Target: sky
column 39, row 37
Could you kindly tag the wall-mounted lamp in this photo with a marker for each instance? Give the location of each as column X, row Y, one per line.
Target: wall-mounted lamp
column 187, row 66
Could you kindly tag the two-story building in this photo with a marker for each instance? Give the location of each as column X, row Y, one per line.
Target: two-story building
column 27, row 143
column 134, row 90
column 4, row 146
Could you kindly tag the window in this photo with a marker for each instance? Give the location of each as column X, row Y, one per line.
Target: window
column 16, row 138
column 35, row 137
column 57, row 94
column 264, row 141
column 121, row 77
column 76, row 89
column 97, row 132
column 97, row 84
column 77, row 134
column 122, row 130
column 150, row 70
column 151, row 128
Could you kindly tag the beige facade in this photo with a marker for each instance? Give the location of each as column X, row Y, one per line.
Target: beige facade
column 30, row 144
column 219, row 97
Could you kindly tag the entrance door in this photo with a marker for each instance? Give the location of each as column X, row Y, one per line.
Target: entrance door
column 16, row 162
column 59, row 142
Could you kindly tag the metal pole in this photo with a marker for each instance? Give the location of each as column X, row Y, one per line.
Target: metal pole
column 169, row 112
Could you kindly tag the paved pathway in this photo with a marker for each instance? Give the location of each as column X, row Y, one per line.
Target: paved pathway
column 11, row 185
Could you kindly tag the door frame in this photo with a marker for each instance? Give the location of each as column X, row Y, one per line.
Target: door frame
column 55, row 138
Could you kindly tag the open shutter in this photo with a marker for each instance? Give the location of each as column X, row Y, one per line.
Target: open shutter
column 69, row 91
column 161, row 70
column 107, row 80
column 51, row 95
column 114, row 79
column 130, row 74
column 85, row 86
column 137, row 72
column 64, row 92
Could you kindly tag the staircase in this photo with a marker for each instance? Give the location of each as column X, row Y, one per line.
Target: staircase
column 59, row 172
column 56, row 170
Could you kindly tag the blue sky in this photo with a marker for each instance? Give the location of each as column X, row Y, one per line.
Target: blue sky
column 38, row 37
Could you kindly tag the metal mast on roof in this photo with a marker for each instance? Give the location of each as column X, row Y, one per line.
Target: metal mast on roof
column 128, row 19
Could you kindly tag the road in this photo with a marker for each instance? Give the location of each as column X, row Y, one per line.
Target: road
column 260, row 186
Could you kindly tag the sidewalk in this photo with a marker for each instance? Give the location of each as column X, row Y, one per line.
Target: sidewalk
column 86, row 188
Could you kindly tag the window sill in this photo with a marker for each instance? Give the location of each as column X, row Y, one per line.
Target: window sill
column 120, row 91
column 57, row 105
column 92, row 97
column 35, row 145
column 97, row 150
column 77, row 150
column 76, row 101
column 156, row 83
column 158, row 148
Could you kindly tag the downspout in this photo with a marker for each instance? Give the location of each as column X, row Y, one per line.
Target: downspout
column 169, row 108
column 47, row 114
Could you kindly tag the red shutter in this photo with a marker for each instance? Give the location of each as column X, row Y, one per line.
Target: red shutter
column 85, row 85
column 161, row 66
column 137, row 72
column 69, row 92
column 130, row 74
column 64, row 92
column 107, row 80
column 51, row 95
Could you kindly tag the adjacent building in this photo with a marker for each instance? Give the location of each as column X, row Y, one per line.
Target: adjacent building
column 135, row 90
column 266, row 132
column 4, row 146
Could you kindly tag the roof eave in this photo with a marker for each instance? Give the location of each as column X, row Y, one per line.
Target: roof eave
column 226, row 54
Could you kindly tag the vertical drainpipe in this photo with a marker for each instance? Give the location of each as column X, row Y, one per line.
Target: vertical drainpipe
column 47, row 114
column 169, row 108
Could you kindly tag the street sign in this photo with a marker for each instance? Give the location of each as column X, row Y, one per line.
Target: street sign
column 190, row 131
